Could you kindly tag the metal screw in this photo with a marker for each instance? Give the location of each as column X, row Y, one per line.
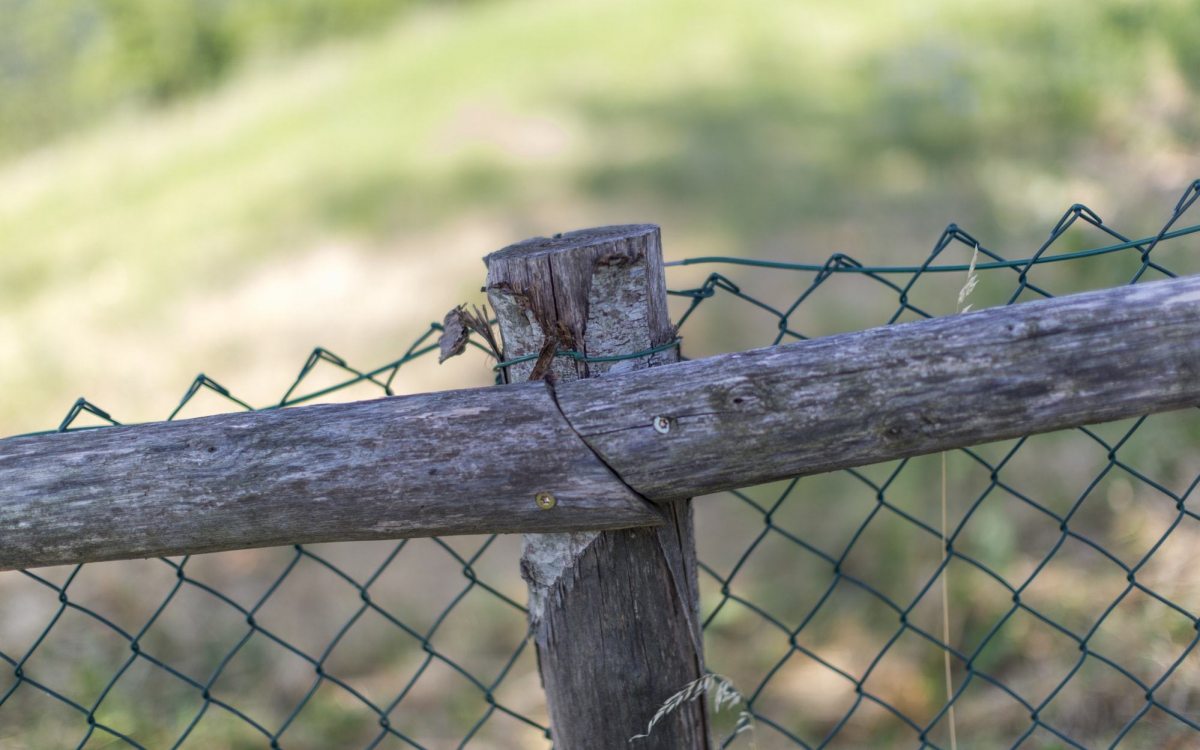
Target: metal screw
column 662, row 425
column 545, row 500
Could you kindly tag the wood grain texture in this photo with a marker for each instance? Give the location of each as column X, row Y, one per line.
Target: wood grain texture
column 470, row 461
column 614, row 615
column 904, row 390
column 457, row 462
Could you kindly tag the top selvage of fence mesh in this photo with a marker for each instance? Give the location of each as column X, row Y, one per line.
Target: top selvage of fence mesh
column 837, row 263
column 843, row 263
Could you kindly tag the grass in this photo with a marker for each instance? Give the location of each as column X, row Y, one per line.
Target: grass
column 724, row 695
column 343, row 197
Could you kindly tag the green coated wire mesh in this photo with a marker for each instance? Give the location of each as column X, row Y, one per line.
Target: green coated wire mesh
column 1071, row 620
column 313, row 646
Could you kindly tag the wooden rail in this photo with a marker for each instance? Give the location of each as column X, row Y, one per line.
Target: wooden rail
column 475, row 460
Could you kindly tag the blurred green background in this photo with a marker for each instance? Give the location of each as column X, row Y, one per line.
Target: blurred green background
column 217, row 185
column 208, row 185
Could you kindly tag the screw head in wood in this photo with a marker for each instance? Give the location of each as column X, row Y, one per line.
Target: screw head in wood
column 662, row 425
column 545, row 500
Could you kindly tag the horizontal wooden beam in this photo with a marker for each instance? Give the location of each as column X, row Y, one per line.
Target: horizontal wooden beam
column 457, row 462
column 476, row 460
column 854, row 399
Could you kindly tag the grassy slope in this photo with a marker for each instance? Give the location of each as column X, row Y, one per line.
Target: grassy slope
column 345, row 198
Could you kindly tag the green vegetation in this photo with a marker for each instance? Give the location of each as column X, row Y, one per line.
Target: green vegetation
column 221, row 186
column 792, row 130
column 65, row 62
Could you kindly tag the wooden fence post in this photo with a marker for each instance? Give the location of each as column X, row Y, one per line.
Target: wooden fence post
column 614, row 614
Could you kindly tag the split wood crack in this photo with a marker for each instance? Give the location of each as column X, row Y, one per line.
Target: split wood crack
column 650, row 506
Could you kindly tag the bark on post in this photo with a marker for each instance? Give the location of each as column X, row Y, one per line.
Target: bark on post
column 614, row 615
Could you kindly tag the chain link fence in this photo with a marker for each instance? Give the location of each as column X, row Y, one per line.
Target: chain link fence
column 1052, row 571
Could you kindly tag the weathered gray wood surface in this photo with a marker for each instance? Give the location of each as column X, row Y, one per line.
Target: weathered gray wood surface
column 366, row 470
column 904, row 390
column 614, row 614
column 458, row 462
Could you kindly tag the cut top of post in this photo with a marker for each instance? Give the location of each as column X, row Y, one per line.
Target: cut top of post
column 571, row 241
column 596, row 293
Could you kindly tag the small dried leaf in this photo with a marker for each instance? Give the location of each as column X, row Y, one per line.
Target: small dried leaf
column 453, row 340
column 457, row 328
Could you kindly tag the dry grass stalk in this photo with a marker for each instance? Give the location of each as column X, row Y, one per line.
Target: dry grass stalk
column 457, row 326
column 724, row 696
column 972, row 280
column 968, row 287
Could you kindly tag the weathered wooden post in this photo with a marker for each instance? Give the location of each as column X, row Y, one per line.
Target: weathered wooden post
column 614, row 614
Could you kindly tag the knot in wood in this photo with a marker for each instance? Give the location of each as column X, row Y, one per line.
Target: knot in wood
column 743, row 396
